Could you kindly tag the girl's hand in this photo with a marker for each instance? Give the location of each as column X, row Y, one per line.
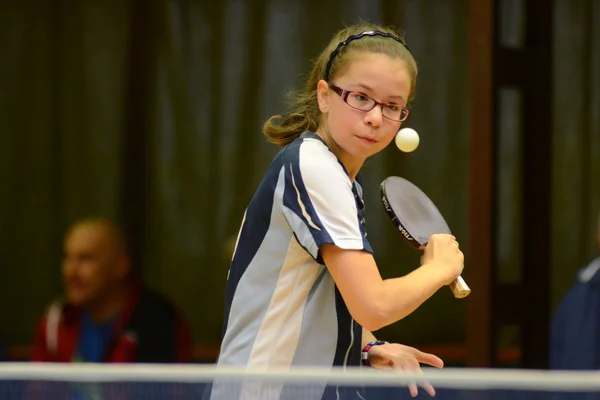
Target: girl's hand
column 442, row 250
column 404, row 359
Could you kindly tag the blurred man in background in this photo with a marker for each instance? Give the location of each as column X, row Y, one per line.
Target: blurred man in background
column 107, row 316
column 575, row 331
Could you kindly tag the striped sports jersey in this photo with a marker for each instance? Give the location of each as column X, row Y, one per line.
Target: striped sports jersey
column 283, row 309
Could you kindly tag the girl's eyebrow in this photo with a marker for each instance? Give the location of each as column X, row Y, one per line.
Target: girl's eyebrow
column 368, row 88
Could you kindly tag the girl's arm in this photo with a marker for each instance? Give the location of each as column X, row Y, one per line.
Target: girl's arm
column 374, row 302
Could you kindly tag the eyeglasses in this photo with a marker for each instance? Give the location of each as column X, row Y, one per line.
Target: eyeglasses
column 362, row 102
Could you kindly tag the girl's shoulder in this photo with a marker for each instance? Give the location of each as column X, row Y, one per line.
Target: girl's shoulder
column 309, row 152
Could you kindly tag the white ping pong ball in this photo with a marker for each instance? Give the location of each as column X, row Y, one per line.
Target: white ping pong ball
column 407, row 139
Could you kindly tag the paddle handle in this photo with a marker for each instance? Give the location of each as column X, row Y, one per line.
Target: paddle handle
column 459, row 288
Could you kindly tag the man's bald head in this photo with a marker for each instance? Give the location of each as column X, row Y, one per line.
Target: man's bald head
column 105, row 229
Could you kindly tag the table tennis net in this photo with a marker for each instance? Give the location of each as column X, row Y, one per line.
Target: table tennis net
column 157, row 382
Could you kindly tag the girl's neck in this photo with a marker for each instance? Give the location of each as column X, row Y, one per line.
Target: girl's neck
column 350, row 162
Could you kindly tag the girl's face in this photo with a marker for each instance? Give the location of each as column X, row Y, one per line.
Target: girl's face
column 354, row 134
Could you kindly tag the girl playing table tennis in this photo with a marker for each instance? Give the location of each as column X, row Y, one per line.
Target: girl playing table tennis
column 303, row 287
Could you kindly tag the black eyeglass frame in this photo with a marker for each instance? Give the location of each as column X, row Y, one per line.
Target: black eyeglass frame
column 343, row 93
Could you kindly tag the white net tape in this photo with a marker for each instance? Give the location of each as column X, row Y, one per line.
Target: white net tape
column 455, row 378
column 137, row 381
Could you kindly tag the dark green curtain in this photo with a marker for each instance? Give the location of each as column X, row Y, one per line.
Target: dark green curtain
column 151, row 112
column 576, row 140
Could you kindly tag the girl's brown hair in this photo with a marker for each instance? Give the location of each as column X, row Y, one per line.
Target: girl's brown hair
column 305, row 114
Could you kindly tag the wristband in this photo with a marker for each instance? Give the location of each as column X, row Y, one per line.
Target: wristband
column 365, row 351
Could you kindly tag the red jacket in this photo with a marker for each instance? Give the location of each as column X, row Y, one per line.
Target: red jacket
column 149, row 330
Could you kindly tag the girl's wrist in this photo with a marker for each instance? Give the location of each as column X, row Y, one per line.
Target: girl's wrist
column 365, row 351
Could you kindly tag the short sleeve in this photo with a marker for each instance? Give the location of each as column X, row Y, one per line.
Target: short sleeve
column 318, row 202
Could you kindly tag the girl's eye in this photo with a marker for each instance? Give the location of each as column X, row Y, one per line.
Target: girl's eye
column 360, row 97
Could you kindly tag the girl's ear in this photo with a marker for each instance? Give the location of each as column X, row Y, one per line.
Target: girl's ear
column 323, row 96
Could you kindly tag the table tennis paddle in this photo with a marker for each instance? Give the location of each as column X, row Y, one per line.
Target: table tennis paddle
column 416, row 217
